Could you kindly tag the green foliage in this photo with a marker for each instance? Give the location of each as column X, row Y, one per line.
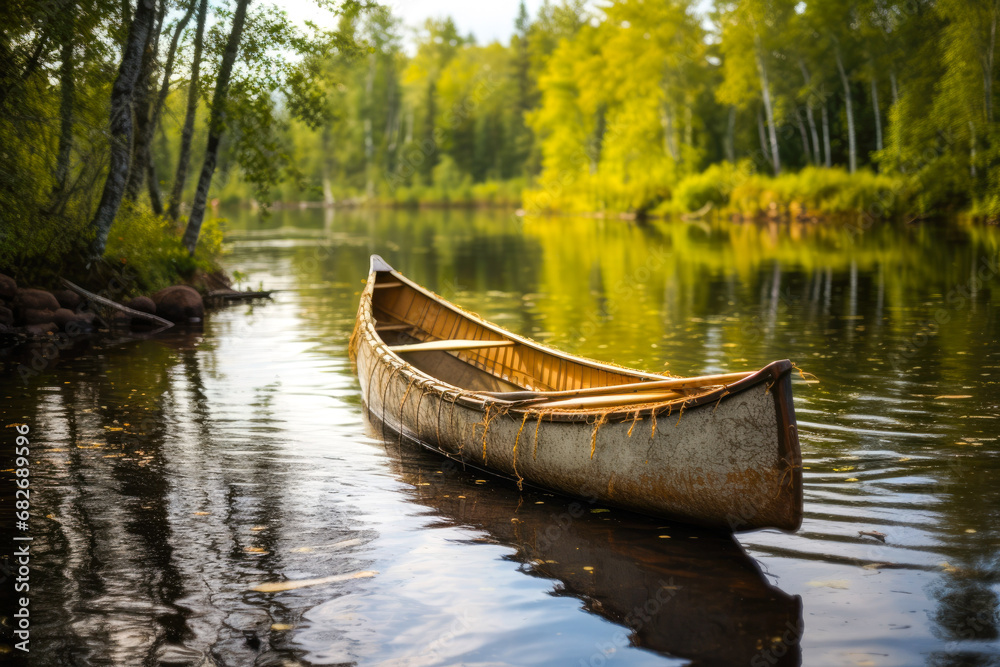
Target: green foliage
column 818, row 191
column 712, row 186
column 152, row 249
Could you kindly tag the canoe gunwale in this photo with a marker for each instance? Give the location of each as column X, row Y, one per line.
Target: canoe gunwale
column 770, row 374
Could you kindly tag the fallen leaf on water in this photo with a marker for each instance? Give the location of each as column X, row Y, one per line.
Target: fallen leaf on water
column 598, row 511
column 844, row 469
column 588, row 568
column 664, row 537
column 256, row 528
column 202, row 513
column 280, row 627
column 947, row 567
column 873, row 533
column 938, row 398
column 255, row 550
column 842, row 584
column 851, row 479
column 423, row 483
column 333, row 545
column 970, row 530
column 280, row 586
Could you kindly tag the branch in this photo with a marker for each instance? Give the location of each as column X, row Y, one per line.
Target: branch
column 117, row 306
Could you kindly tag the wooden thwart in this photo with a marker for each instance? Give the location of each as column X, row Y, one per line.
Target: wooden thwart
column 632, row 387
column 450, row 345
column 612, row 400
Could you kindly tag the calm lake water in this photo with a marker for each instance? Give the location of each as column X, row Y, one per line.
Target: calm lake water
column 170, row 476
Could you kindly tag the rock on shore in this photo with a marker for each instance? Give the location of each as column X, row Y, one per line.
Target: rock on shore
column 179, row 304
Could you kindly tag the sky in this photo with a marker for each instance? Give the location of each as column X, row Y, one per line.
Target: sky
column 488, row 20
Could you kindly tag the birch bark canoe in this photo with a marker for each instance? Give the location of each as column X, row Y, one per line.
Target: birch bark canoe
column 722, row 455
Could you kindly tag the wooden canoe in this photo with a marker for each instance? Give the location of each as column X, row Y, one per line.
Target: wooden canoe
column 719, row 451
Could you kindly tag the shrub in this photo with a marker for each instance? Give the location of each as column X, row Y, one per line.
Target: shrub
column 152, row 249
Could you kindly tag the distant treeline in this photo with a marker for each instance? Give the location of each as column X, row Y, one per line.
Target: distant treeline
column 121, row 122
column 624, row 106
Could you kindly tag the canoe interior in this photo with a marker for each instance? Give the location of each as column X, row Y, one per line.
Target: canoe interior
column 406, row 315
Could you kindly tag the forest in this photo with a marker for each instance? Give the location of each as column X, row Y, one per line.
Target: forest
column 122, row 124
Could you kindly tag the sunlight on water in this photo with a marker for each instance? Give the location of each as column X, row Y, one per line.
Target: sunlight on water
column 179, row 474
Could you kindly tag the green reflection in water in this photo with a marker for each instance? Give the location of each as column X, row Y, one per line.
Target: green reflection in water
column 899, row 323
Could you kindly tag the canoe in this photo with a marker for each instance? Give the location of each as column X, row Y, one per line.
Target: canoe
column 718, row 451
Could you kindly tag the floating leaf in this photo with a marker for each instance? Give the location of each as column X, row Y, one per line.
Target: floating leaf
column 598, row 511
column 949, row 397
column 333, row 545
column 872, row 533
column 280, row 586
column 840, row 584
column 280, row 627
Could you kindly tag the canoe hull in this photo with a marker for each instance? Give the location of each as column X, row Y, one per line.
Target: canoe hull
column 733, row 463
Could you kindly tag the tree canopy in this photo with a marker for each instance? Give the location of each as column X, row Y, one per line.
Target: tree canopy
column 627, row 105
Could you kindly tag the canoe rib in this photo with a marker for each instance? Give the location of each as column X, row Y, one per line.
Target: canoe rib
column 727, row 456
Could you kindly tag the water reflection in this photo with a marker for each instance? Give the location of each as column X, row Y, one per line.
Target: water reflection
column 677, row 590
column 175, row 473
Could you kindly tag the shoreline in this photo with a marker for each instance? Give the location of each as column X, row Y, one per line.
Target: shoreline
column 792, row 212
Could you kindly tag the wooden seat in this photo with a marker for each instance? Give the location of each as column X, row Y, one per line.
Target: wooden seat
column 449, row 345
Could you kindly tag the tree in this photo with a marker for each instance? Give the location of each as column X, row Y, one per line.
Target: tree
column 747, row 61
column 216, row 127
column 187, row 133
column 144, row 154
column 121, row 126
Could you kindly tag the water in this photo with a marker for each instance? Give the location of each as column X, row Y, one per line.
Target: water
column 171, row 476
